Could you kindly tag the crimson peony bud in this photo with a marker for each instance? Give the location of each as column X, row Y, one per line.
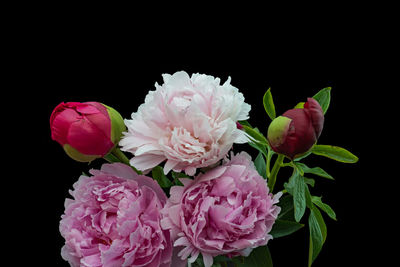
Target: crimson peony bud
column 87, row 130
column 297, row 130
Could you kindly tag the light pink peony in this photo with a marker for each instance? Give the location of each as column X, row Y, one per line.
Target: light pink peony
column 188, row 121
column 114, row 220
column 228, row 210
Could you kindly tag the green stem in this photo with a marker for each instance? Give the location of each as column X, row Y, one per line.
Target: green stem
column 268, row 163
column 274, row 172
column 111, row 158
column 122, row 158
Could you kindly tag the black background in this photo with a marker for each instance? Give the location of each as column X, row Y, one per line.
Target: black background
column 60, row 61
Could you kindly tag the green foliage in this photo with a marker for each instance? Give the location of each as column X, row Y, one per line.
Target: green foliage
column 324, row 98
column 318, row 234
column 269, row 104
column 259, row 163
column 177, row 175
column 335, row 153
column 325, row 207
column 284, row 228
column 158, row 175
column 317, row 170
column 287, row 208
column 299, row 197
column 256, row 135
column 259, row 257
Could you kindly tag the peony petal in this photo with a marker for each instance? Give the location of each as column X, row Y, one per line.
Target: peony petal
column 169, row 165
column 182, row 241
column 174, row 214
column 147, row 161
column 207, row 259
column 176, row 193
column 177, row 261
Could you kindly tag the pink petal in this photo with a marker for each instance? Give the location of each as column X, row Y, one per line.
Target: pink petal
column 208, row 259
column 147, row 161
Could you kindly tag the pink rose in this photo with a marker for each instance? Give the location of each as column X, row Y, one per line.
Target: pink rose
column 87, row 130
column 189, row 122
column 227, row 210
column 114, row 220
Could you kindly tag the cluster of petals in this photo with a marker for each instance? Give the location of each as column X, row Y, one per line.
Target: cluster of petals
column 188, row 122
column 114, row 220
column 225, row 211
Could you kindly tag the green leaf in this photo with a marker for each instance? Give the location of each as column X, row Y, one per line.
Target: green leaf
column 289, row 186
column 325, row 207
column 284, row 228
column 111, row 158
column 316, row 170
column 159, row 176
column 259, row 163
column 335, row 153
column 177, row 175
column 302, row 156
column 309, row 181
column 261, row 148
column 318, row 232
column 308, row 197
column 269, row 104
column 299, row 198
column 286, row 204
column 245, row 123
column 324, row 98
column 259, row 257
column 255, row 134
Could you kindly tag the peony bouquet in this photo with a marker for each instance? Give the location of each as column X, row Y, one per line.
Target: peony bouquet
column 174, row 193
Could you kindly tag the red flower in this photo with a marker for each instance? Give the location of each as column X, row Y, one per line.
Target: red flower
column 297, row 130
column 86, row 130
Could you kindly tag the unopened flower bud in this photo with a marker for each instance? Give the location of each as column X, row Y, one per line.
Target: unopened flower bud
column 87, row 130
column 297, row 130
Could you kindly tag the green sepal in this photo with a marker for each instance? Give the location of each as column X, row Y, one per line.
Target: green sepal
column 78, row 156
column 300, row 105
column 117, row 124
column 278, row 130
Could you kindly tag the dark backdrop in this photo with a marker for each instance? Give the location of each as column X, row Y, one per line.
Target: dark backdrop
column 119, row 68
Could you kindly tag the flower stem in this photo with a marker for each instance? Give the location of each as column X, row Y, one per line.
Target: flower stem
column 120, row 155
column 116, row 152
column 268, row 163
column 274, row 172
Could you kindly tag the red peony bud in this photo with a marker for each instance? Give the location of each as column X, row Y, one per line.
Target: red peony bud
column 87, row 130
column 297, row 130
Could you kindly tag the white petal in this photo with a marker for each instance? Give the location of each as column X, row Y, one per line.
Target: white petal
column 147, row 161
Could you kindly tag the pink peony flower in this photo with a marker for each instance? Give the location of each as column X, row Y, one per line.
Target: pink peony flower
column 228, row 210
column 188, row 121
column 114, row 220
